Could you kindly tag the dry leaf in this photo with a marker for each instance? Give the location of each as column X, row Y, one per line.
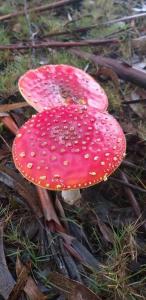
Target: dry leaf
column 104, row 229
column 20, row 283
column 8, row 122
column 17, row 182
column 6, row 280
column 74, row 290
column 30, row 288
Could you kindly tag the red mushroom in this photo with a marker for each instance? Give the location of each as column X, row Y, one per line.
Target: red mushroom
column 54, row 85
column 69, row 147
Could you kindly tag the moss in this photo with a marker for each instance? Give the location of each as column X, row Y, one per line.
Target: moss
column 4, row 40
column 5, row 8
column 64, row 57
column 113, row 96
column 10, row 75
column 20, row 28
column 51, row 24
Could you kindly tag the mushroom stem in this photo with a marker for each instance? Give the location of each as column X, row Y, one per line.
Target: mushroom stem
column 71, row 196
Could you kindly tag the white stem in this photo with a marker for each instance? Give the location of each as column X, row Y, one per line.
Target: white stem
column 71, row 196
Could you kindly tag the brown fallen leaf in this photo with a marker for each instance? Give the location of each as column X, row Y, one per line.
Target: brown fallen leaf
column 104, row 229
column 80, row 252
column 6, row 280
column 31, row 289
column 83, row 293
column 74, row 290
column 49, row 211
column 8, row 107
column 8, row 122
column 20, row 283
column 16, row 181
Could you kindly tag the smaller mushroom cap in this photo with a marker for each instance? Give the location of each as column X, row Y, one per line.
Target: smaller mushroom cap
column 53, row 85
column 69, row 147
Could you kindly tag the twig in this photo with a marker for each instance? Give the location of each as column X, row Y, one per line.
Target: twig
column 5, row 142
column 127, row 18
column 136, row 101
column 132, row 186
column 38, row 9
column 123, row 70
column 53, row 44
column 8, row 107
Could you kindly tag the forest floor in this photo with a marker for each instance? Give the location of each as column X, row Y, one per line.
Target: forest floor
column 103, row 254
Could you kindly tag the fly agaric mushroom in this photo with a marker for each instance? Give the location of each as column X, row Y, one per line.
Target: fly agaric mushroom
column 68, row 148
column 54, row 85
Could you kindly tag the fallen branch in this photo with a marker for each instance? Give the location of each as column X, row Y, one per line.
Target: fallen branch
column 123, row 70
column 38, row 9
column 53, row 44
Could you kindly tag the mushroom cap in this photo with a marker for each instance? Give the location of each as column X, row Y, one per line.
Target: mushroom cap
column 69, row 147
column 53, row 85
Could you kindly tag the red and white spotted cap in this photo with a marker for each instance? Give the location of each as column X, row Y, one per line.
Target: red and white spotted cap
column 69, row 147
column 53, row 85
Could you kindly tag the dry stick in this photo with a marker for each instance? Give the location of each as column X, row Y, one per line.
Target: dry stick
column 38, row 9
column 53, row 44
column 136, row 101
column 8, row 107
column 123, row 70
column 132, row 199
column 127, row 18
